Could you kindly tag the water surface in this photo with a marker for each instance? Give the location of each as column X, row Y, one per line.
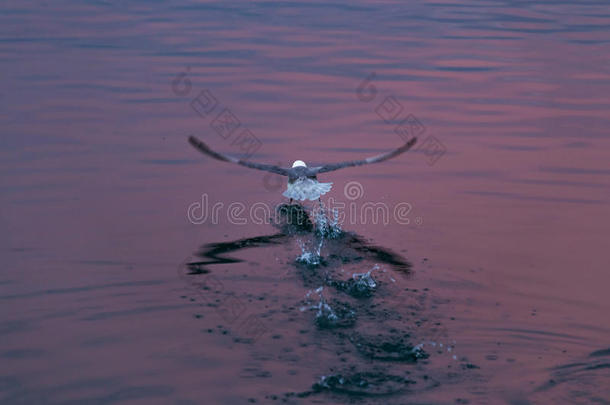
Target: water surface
column 504, row 259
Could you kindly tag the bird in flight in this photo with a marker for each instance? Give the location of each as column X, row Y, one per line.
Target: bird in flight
column 302, row 180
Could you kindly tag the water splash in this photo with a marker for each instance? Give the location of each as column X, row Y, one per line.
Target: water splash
column 364, row 280
column 326, row 222
column 325, row 311
column 310, row 257
column 327, row 315
column 361, row 285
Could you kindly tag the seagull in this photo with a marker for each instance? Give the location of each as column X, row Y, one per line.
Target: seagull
column 303, row 183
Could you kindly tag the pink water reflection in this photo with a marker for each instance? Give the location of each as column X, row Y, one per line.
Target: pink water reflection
column 97, row 177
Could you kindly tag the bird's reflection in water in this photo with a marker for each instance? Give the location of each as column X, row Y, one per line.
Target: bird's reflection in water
column 354, row 296
column 294, row 223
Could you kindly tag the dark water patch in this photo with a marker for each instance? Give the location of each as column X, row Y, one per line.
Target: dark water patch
column 8, row 383
column 292, row 219
column 350, row 247
column 598, row 366
column 361, row 286
column 362, row 384
column 388, row 348
column 465, row 68
column 22, row 353
column 195, row 268
column 599, row 353
column 254, row 371
column 14, row 326
column 215, row 253
column 540, row 333
column 469, row 366
column 101, row 341
column 569, row 366
column 356, row 386
column 584, row 381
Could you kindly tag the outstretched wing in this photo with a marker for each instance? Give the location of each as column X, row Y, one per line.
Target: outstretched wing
column 203, row 148
column 374, row 159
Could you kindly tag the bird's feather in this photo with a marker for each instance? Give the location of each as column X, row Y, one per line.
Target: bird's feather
column 203, row 148
column 375, row 159
column 296, row 172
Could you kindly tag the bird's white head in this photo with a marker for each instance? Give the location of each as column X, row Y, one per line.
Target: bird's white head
column 298, row 163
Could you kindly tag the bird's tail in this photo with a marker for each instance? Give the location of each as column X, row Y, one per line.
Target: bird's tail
column 307, row 190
